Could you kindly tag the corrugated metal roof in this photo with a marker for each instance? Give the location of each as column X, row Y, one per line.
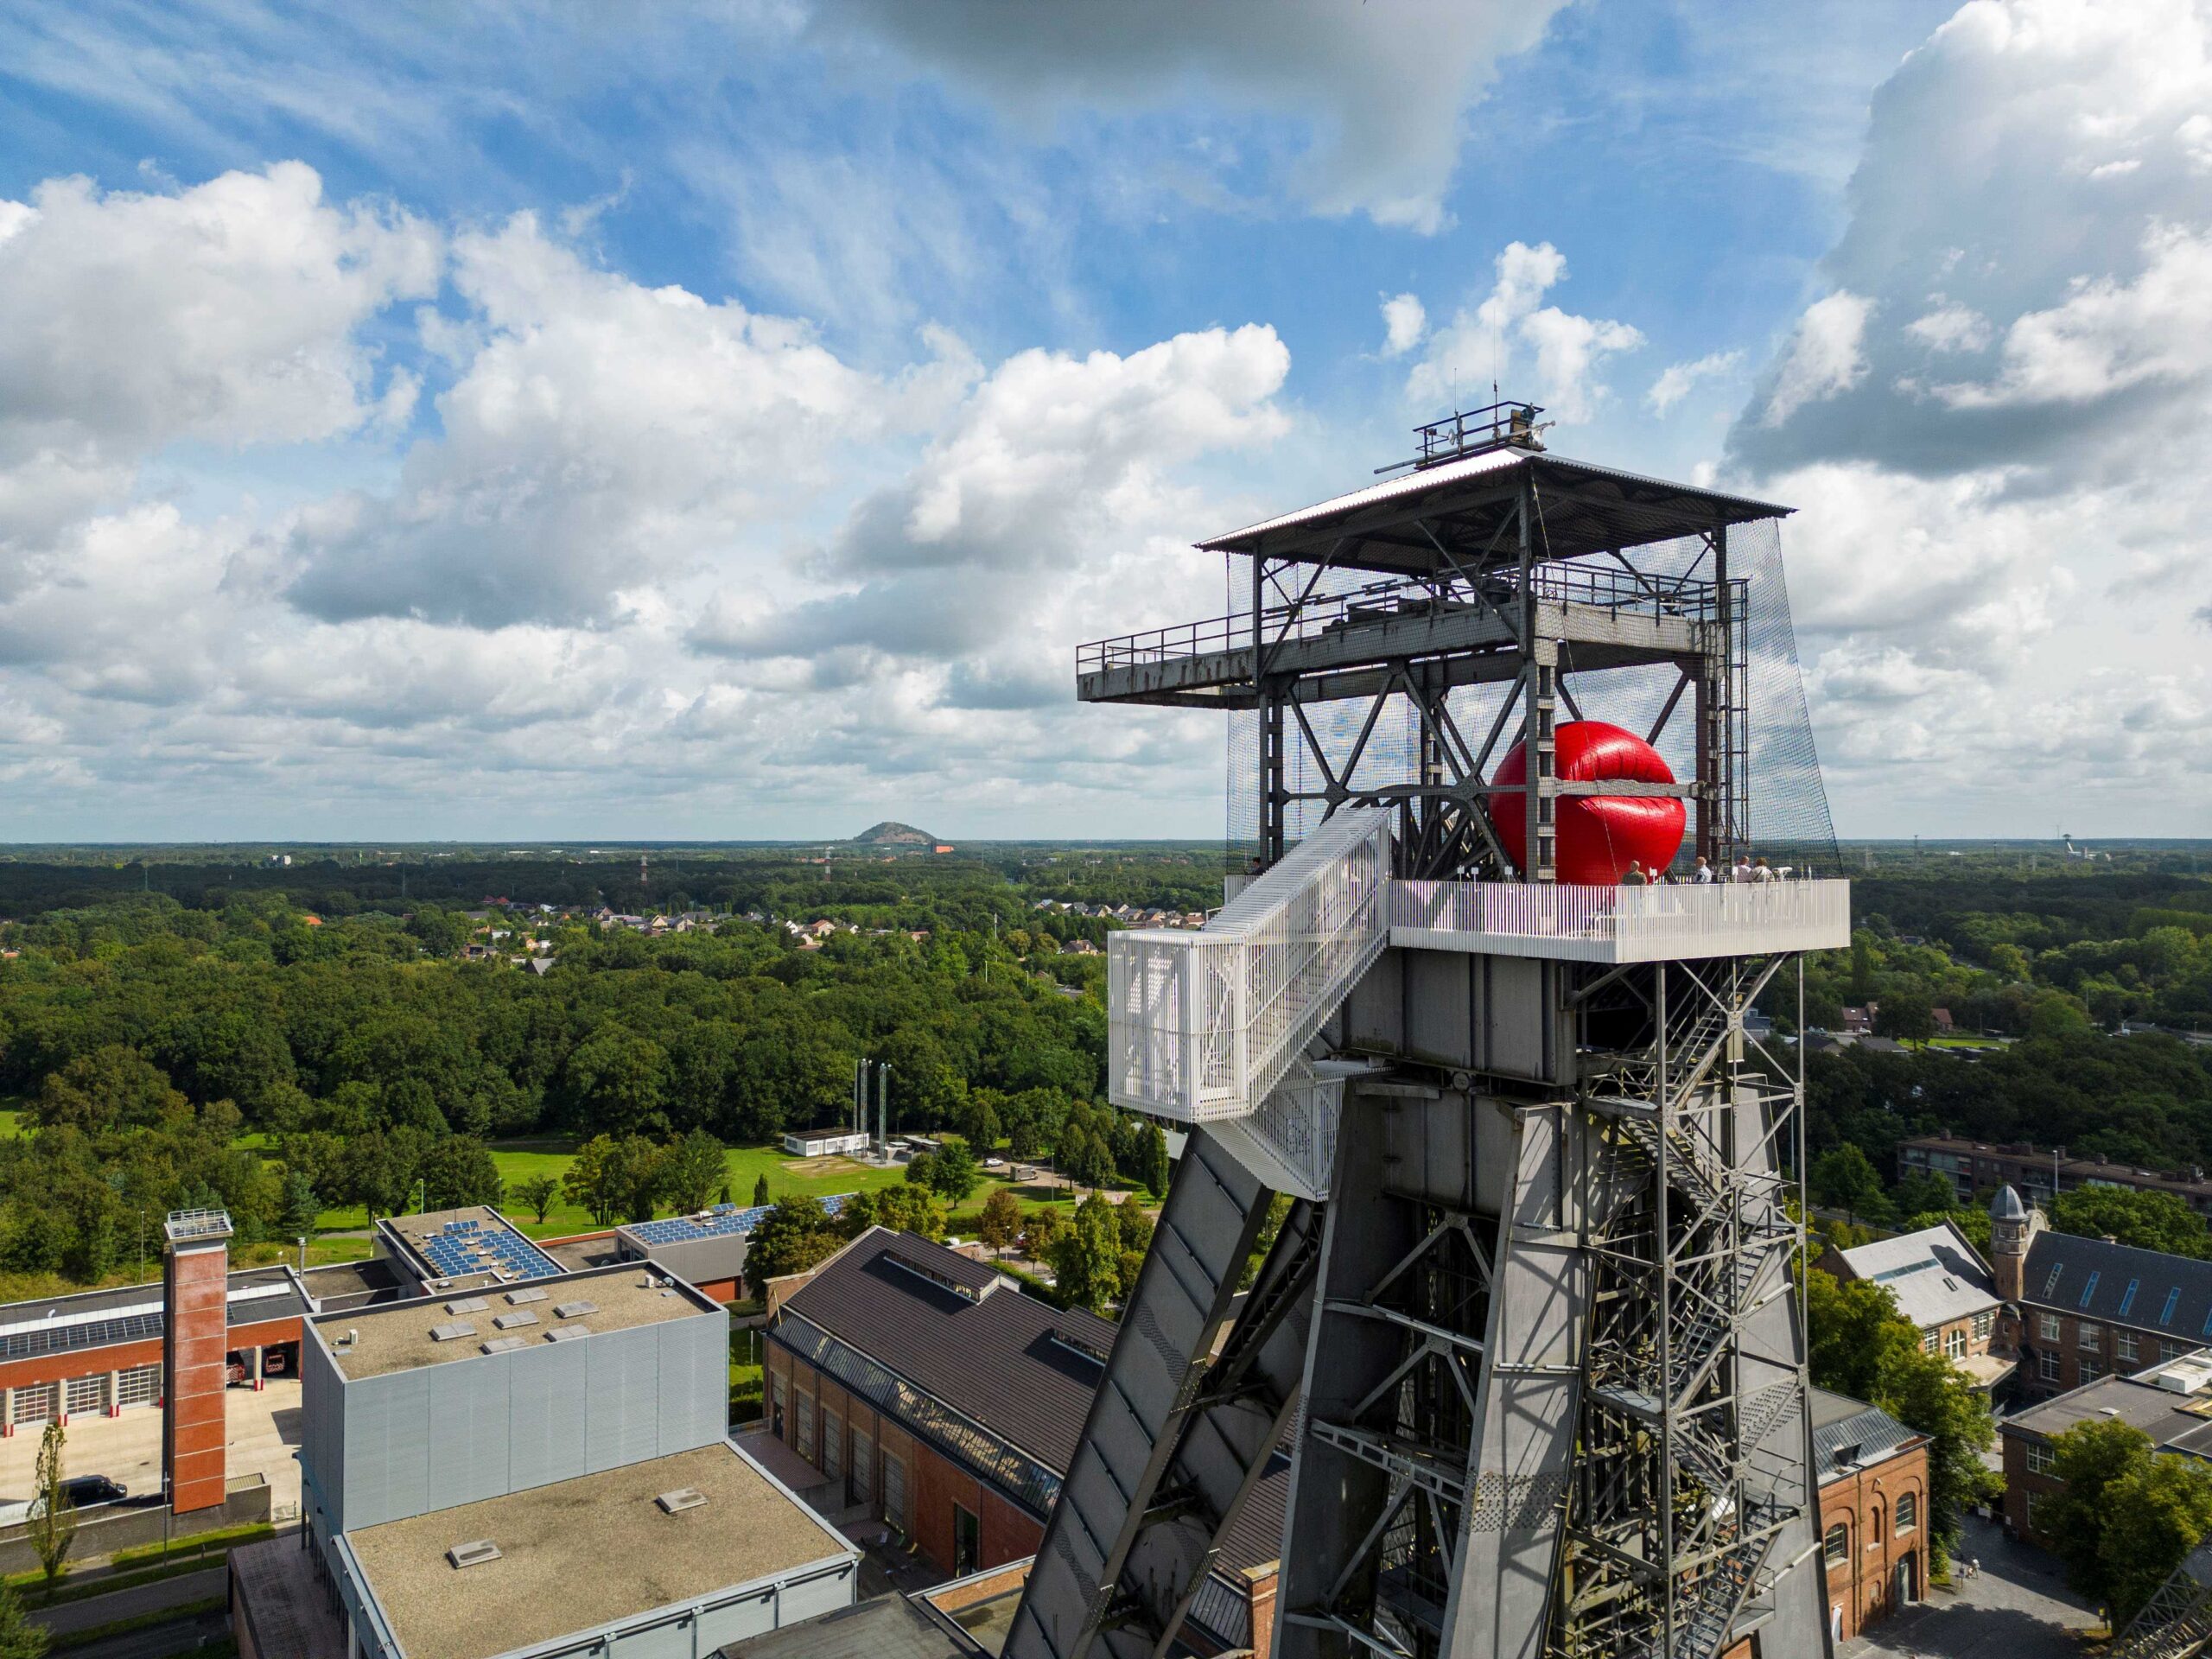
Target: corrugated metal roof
column 1935, row 1273
column 1849, row 1433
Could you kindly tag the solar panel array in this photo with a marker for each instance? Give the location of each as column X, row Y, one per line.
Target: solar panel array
column 85, row 1333
column 462, row 1247
column 723, row 1221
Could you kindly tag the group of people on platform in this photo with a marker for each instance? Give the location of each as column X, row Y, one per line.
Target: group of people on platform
column 1702, row 874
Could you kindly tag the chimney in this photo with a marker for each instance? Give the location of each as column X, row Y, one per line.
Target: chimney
column 195, row 1348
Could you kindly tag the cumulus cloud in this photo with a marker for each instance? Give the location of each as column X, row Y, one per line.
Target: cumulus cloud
column 1404, row 320
column 1979, row 421
column 1676, row 380
column 1491, row 339
column 1379, row 94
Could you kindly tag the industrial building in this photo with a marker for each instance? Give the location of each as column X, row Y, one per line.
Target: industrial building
column 944, row 1402
column 531, row 1463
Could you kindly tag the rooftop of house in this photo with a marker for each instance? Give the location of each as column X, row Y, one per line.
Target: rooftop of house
column 457, row 1324
column 2175, row 1419
column 1935, row 1273
column 2170, row 1296
column 583, row 1554
column 957, row 1330
column 1848, row 1434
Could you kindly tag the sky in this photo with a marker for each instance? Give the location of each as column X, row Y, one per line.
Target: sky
column 724, row 421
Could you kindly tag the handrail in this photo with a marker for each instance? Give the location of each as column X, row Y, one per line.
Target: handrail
column 1729, row 917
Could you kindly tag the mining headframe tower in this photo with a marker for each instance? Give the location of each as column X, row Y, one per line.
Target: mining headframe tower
column 1528, row 1333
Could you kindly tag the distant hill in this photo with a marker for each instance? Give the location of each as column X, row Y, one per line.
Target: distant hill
column 891, row 833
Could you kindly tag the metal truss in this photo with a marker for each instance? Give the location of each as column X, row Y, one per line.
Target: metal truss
column 2176, row 1621
column 1693, row 1495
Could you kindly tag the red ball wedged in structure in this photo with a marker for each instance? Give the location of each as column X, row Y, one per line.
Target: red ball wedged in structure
column 1598, row 834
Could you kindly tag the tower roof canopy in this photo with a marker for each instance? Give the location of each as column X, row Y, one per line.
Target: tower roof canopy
column 2006, row 1206
column 1464, row 504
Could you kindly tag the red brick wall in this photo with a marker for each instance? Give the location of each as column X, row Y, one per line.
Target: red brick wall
column 1863, row 1585
column 195, row 1345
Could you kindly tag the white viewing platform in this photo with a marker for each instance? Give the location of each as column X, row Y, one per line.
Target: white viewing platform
column 1613, row 924
column 1202, row 1027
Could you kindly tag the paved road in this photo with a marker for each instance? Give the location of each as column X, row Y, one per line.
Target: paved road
column 93, row 1610
column 183, row 1636
column 2017, row 1607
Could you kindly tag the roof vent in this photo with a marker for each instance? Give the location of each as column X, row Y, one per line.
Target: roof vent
column 352, row 1336
column 467, row 1305
column 2189, row 1376
column 505, row 1344
column 519, row 1297
column 566, row 1332
column 574, row 1310
column 452, row 1332
column 515, row 1321
column 684, row 1497
column 1847, row 1455
column 474, row 1553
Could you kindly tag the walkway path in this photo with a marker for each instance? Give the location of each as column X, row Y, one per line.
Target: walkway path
column 2016, row 1606
column 94, row 1610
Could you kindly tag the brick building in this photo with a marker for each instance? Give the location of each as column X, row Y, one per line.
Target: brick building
column 1873, row 1475
column 2171, row 1403
column 1943, row 1285
column 2079, row 1309
column 951, row 1404
column 1976, row 1166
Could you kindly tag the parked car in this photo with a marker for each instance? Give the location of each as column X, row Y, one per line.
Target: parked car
column 86, row 1491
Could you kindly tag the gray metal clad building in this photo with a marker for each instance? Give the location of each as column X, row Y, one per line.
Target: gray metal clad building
column 577, row 1424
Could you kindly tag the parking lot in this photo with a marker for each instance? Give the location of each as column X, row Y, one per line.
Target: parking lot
column 2016, row 1606
column 264, row 1430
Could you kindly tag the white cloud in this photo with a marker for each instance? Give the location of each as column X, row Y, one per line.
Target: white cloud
column 1951, row 328
column 1379, row 94
column 1486, row 342
column 1676, row 380
column 1404, row 320
column 1825, row 356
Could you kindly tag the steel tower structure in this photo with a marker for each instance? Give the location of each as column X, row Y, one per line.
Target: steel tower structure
column 1528, row 1336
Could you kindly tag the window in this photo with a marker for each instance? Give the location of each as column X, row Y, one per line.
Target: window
column 2090, row 1370
column 1954, row 1343
column 86, row 1394
column 967, row 1541
column 1836, row 1547
column 2166, row 1314
column 2127, row 1297
column 2041, row 1458
column 2089, row 1289
column 1928, row 1340
column 2170, row 1350
column 2051, row 1283
column 833, row 1444
column 894, row 1491
column 1908, row 1512
column 138, row 1386
column 2047, row 1326
column 1983, row 1324
column 777, row 1396
column 2035, row 1503
column 863, row 1476
column 802, row 1427
column 2123, row 1346
column 2089, row 1338
column 2047, row 1365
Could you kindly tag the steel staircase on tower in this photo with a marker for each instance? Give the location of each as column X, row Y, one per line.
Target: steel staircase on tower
column 2176, row 1621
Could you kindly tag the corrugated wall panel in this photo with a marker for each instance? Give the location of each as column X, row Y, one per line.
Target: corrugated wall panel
column 466, row 1423
column 321, row 1419
column 549, row 1392
column 669, row 1641
column 737, row 1620
column 387, row 1447
column 624, row 1425
column 694, row 1383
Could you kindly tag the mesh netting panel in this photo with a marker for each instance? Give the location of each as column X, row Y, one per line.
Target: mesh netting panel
column 1788, row 801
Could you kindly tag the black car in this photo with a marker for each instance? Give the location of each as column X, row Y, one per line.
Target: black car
column 85, row 1490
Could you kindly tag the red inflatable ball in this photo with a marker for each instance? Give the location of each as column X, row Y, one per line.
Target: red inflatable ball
column 1598, row 834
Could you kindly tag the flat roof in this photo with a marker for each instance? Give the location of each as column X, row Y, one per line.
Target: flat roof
column 581, row 1555
column 889, row 1627
column 397, row 1336
column 474, row 1244
column 1464, row 503
column 2170, row 1419
column 100, row 1319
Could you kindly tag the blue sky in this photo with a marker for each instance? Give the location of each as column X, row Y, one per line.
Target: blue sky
column 724, row 421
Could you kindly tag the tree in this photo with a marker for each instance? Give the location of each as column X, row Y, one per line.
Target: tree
column 1844, row 1180
column 619, row 1082
column 690, row 1169
column 1926, row 1392
column 52, row 1526
column 1906, row 1015
column 953, row 1174
column 1974, row 1223
column 980, row 1124
column 113, row 1087
column 1084, row 1158
column 457, row 1170
column 1087, row 1260
column 2092, row 1459
column 902, row 1209
column 760, row 1191
column 1923, row 1190
column 19, row 1637
column 1001, row 1221
column 2155, row 1514
column 300, row 1205
column 1040, row 1230
column 797, row 1233
column 536, row 1195
column 1158, row 1169
column 377, row 1173
column 2149, row 1221
column 593, row 1179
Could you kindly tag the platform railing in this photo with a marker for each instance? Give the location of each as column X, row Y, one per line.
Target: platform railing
column 1722, row 919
